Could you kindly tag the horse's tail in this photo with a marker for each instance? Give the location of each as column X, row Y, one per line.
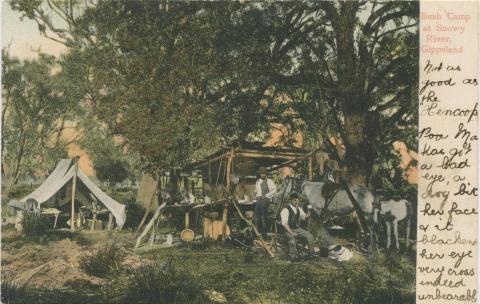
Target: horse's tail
column 408, row 222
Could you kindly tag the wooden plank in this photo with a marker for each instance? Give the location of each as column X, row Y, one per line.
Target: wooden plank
column 213, row 228
column 272, row 156
column 295, row 160
column 147, row 210
column 149, row 225
column 211, row 160
column 224, row 222
column 211, row 204
column 249, row 223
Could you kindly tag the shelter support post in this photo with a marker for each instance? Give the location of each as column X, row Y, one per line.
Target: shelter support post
column 74, row 185
column 187, row 219
column 229, row 170
column 310, row 168
column 110, row 221
column 224, row 222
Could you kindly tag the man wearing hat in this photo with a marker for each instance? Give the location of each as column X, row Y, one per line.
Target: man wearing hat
column 290, row 218
column 265, row 190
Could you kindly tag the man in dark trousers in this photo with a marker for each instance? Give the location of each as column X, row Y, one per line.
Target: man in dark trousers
column 290, row 218
column 265, row 190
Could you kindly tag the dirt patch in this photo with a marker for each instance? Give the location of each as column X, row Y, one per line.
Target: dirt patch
column 54, row 264
column 46, row 266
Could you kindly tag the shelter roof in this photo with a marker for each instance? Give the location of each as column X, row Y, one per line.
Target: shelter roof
column 248, row 157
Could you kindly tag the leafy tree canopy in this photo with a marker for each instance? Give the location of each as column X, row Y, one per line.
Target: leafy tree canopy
column 177, row 79
column 37, row 103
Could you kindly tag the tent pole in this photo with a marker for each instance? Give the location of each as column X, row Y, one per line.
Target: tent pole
column 110, row 221
column 74, row 185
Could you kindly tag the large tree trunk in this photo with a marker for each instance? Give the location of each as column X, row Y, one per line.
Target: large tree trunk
column 350, row 96
column 358, row 156
column 13, row 178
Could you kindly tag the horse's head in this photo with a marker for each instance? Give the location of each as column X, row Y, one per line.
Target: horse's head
column 290, row 184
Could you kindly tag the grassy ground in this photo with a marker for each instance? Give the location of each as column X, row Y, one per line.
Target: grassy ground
column 380, row 279
column 213, row 266
column 223, row 268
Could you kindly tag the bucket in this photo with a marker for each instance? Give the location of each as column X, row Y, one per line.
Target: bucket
column 169, row 240
column 187, row 235
column 323, row 251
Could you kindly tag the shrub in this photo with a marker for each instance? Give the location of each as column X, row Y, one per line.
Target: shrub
column 135, row 213
column 20, row 191
column 102, row 261
column 380, row 279
column 156, row 282
column 10, row 291
column 34, row 225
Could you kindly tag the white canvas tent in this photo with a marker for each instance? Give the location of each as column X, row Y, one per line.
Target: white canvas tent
column 64, row 173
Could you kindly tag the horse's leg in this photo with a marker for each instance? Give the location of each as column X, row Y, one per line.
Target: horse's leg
column 395, row 233
column 407, row 223
column 389, row 232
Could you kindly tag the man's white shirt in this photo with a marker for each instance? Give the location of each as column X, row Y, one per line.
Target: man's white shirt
column 285, row 211
column 272, row 188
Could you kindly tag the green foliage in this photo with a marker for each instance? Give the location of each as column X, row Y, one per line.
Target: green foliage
column 112, row 170
column 380, row 279
column 388, row 178
column 113, row 163
column 376, row 280
column 34, row 225
column 158, row 282
column 179, row 79
column 135, row 214
column 37, row 103
column 11, row 292
column 20, row 191
column 102, row 261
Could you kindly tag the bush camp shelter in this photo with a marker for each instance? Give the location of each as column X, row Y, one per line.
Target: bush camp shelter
column 69, row 190
column 236, row 165
column 242, row 161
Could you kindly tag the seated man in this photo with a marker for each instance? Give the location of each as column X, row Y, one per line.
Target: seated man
column 290, row 219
